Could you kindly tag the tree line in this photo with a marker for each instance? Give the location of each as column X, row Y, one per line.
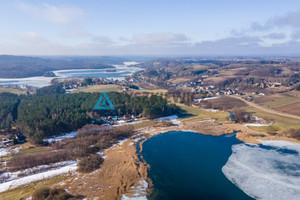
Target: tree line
column 8, row 109
column 50, row 113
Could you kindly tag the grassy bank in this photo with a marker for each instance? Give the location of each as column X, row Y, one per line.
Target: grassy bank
column 198, row 114
column 280, row 123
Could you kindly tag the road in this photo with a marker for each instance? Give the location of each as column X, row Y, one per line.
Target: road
column 275, row 112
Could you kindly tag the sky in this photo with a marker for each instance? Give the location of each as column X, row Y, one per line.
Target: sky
column 150, row 27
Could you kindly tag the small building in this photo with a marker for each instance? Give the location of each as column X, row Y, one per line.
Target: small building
column 276, row 84
column 20, row 137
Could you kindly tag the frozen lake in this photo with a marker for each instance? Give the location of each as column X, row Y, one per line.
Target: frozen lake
column 39, row 81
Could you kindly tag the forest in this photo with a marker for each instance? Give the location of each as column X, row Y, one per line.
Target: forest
column 8, row 109
column 48, row 113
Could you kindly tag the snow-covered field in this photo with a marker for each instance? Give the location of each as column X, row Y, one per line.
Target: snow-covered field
column 60, row 168
column 37, row 177
column 10, row 176
column 38, row 81
column 268, row 171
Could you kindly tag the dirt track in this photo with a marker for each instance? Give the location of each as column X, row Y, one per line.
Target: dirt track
column 268, row 110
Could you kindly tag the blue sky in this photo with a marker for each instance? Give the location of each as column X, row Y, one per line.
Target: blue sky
column 144, row 27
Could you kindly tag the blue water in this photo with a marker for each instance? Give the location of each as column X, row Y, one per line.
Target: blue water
column 99, row 73
column 187, row 165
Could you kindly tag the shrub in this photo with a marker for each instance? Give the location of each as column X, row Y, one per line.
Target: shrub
column 53, row 194
column 23, row 161
column 87, row 142
column 60, row 194
column 292, row 133
column 41, row 193
column 90, row 163
column 241, row 116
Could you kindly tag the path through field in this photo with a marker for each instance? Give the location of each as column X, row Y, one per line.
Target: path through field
column 268, row 110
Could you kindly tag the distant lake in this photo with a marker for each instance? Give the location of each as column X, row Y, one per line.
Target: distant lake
column 188, row 165
column 39, row 81
column 120, row 72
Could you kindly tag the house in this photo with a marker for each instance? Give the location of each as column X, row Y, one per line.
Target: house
column 276, row 84
column 262, row 85
column 20, row 137
column 229, row 92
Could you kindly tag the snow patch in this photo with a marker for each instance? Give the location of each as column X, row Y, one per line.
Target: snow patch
column 172, row 118
column 203, row 99
column 9, row 151
column 259, row 125
column 130, row 63
column 37, row 177
column 139, row 192
column 268, row 171
column 60, row 137
column 9, row 176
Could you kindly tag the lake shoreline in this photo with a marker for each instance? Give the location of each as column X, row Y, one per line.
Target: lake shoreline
column 124, row 170
column 242, row 133
column 42, row 81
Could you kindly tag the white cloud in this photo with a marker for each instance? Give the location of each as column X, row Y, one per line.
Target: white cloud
column 75, row 33
column 290, row 19
column 276, row 36
column 61, row 14
column 31, row 43
column 159, row 39
column 104, row 40
column 29, row 36
column 296, row 35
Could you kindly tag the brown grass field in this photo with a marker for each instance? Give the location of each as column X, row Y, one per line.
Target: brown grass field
column 263, row 99
column 13, row 90
column 276, row 101
column 99, row 88
column 227, row 103
column 293, row 108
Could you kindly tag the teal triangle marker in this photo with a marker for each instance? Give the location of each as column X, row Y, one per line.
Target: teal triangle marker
column 104, row 103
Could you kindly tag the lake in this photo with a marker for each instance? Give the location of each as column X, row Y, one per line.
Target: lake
column 188, row 165
column 39, row 81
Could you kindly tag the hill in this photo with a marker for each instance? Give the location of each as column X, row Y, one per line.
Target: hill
column 23, row 66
